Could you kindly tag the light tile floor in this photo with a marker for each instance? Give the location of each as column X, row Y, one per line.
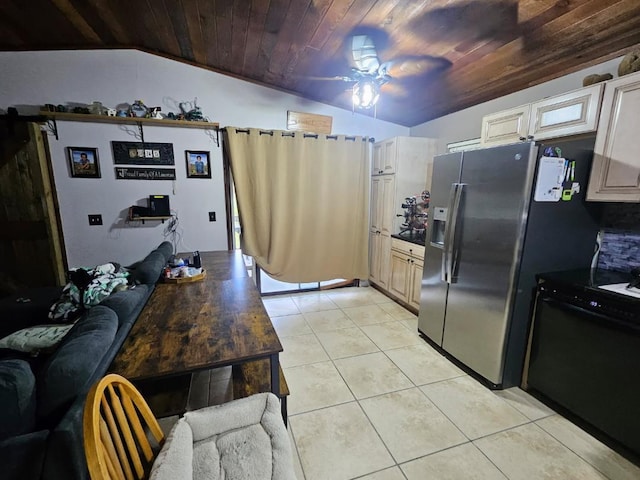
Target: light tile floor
column 371, row 400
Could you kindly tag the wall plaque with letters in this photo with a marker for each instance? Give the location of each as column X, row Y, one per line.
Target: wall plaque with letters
column 147, row 153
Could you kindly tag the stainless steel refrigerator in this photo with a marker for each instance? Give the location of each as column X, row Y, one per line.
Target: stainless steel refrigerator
column 491, row 229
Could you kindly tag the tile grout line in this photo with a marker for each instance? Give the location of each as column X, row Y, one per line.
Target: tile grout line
column 569, row 448
column 295, row 446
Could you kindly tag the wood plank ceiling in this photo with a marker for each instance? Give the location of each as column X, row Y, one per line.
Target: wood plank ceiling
column 461, row 52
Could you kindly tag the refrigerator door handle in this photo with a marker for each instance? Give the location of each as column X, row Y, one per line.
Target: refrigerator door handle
column 447, row 244
column 454, row 240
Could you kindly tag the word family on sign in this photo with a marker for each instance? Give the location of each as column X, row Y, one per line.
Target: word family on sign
column 145, row 173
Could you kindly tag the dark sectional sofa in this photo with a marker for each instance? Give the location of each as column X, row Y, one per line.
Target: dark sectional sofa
column 42, row 400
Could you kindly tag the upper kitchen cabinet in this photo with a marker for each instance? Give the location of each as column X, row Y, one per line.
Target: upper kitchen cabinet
column 384, row 157
column 386, row 154
column 559, row 116
column 615, row 173
column 505, row 127
column 569, row 114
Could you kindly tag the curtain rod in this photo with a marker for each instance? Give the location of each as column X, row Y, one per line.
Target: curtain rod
column 293, row 134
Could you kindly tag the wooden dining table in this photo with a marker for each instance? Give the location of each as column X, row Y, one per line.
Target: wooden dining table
column 214, row 322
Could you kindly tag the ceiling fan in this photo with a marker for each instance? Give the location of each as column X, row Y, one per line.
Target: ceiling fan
column 369, row 74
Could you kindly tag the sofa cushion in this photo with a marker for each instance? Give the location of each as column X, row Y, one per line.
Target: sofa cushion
column 17, row 398
column 22, row 456
column 33, row 340
column 148, row 271
column 175, row 460
column 70, row 370
column 127, row 302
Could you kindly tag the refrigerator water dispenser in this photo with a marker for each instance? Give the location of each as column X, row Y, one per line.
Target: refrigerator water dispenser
column 439, row 222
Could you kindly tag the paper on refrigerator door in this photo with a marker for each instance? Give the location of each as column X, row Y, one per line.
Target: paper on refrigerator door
column 551, row 173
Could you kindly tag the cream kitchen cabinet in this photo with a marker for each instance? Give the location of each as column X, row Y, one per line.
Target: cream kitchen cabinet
column 407, row 161
column 407, row 261
column 404, row 153
column 382, row 212
column 384, row 157
column 568, row 114
column 571, row 113
column 382, row 219
column 615, row 172
column 379, row 261
column 505, row 127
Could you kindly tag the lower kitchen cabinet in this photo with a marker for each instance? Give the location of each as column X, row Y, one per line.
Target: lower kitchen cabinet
column 406, row 266
column 380, row 247
column 416, row 282
column 400, row 275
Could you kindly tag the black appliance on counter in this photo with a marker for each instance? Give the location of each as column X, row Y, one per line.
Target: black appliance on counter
column 415, row 214
column 585, row 350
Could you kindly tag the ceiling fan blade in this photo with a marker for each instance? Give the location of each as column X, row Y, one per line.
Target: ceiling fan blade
column 395, row 90
column 337, row 78
column 407, row 66
column 364, row 54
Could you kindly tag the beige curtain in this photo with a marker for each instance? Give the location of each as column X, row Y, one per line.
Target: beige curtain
column 303, row 202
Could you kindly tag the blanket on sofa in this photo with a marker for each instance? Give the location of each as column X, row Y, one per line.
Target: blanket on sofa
column 87, row 288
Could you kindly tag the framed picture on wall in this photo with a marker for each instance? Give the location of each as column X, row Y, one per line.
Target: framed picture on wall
column 83, row 162
column 198, row 164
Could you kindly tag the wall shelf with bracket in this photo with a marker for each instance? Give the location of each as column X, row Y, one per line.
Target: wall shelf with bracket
column 142, row 219
column 53, row 117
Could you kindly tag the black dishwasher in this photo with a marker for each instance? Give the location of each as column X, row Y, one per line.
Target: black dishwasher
column 585, row 352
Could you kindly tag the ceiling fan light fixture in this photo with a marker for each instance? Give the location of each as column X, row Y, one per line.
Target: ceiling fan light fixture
column 365, row 93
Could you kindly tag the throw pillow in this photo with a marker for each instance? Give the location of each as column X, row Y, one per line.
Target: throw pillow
column 33, row 340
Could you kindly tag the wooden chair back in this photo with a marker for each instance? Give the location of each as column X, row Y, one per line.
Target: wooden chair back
column 118, row 425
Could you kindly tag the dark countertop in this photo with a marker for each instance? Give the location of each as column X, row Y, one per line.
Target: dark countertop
column 417, row 238
column 586, row 277
column 587, row 281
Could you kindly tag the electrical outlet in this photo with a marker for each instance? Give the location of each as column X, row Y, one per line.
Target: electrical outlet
column 212, row 216
column 95, row 219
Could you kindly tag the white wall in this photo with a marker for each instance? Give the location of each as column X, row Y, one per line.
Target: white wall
column 466, row 124
column 31, row 79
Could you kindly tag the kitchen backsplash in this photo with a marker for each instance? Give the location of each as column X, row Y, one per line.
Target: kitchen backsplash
column 620, row 248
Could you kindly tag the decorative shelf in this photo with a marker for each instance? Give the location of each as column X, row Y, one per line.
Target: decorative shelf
column 162, row 219
column 86, row 117
column 138, row 121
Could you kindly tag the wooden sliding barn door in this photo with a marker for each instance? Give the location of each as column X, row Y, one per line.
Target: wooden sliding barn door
column 31, row 243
